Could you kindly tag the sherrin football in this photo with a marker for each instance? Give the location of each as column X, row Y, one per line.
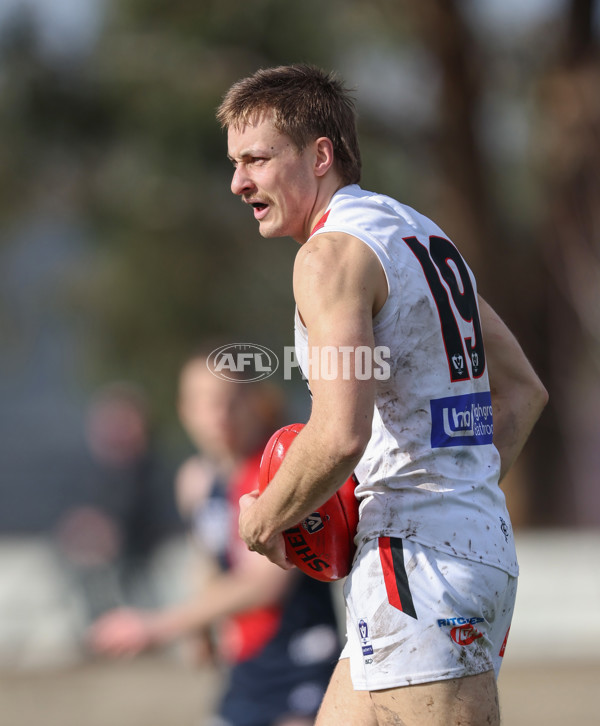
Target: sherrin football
column 322, row 545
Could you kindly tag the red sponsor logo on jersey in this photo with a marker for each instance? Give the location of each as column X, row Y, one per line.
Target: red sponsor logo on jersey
column 465, row 634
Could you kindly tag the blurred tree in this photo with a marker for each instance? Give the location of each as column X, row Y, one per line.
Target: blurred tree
column 175, row 259
column 569, row 168
column 463, row 198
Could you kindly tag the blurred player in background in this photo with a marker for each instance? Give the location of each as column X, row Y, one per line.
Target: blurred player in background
column 276, row 629
column 119, row 506
column 431, row 593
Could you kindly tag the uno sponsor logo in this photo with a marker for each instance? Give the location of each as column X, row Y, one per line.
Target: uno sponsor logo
column 247, row 362
column 462, row 420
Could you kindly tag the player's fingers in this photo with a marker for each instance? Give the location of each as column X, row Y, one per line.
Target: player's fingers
column 247, row 500
column 275, row 551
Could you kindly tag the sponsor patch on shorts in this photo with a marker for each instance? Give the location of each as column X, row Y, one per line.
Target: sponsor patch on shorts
column 367, row 646
column 462, row 630
column 462, row 420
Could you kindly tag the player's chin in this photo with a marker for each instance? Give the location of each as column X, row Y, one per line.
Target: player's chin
column 270, row 228
column 267, row 231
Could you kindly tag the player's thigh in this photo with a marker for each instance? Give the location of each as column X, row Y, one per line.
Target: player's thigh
column 342, row 704
column 468, row 701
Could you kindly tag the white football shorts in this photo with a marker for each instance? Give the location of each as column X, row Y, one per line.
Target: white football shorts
column 416, row 615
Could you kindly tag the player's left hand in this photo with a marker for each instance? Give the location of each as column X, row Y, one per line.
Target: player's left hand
column 274, row 547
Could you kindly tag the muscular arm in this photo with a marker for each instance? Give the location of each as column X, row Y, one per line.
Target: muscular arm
column 518, row 395
column 337, row 285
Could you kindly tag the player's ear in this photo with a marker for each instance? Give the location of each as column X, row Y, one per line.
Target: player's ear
column 323, row 155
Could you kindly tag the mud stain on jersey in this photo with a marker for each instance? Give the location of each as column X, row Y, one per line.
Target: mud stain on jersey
column 475, row 659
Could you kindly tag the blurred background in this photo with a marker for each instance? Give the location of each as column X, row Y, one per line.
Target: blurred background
column 121, row 249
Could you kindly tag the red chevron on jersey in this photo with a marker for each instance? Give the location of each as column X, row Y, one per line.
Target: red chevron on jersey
column 321, row 222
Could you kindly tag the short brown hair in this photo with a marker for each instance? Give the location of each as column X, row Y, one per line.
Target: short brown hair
column 306, row 103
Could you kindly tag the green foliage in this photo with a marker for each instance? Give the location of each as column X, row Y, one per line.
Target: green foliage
column 173, row 258
column 125, row 141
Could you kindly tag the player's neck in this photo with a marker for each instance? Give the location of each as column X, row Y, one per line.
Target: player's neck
column 328, row 188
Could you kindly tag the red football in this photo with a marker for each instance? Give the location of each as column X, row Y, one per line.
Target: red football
column 322, row 545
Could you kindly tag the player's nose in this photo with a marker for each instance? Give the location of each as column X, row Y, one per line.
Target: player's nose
column 240, row 181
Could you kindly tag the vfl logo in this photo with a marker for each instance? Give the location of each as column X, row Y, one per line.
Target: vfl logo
column 367, row 647
column 465, row 634
column 313, row 523
column 458, row 363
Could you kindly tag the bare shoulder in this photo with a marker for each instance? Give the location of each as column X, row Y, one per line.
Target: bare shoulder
column 338, row 265
column 334, row 250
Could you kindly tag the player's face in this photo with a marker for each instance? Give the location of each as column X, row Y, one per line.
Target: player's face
column 274, row 178
column 218, row 415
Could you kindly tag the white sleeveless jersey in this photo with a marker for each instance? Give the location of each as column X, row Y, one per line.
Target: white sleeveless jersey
column 430, row 471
